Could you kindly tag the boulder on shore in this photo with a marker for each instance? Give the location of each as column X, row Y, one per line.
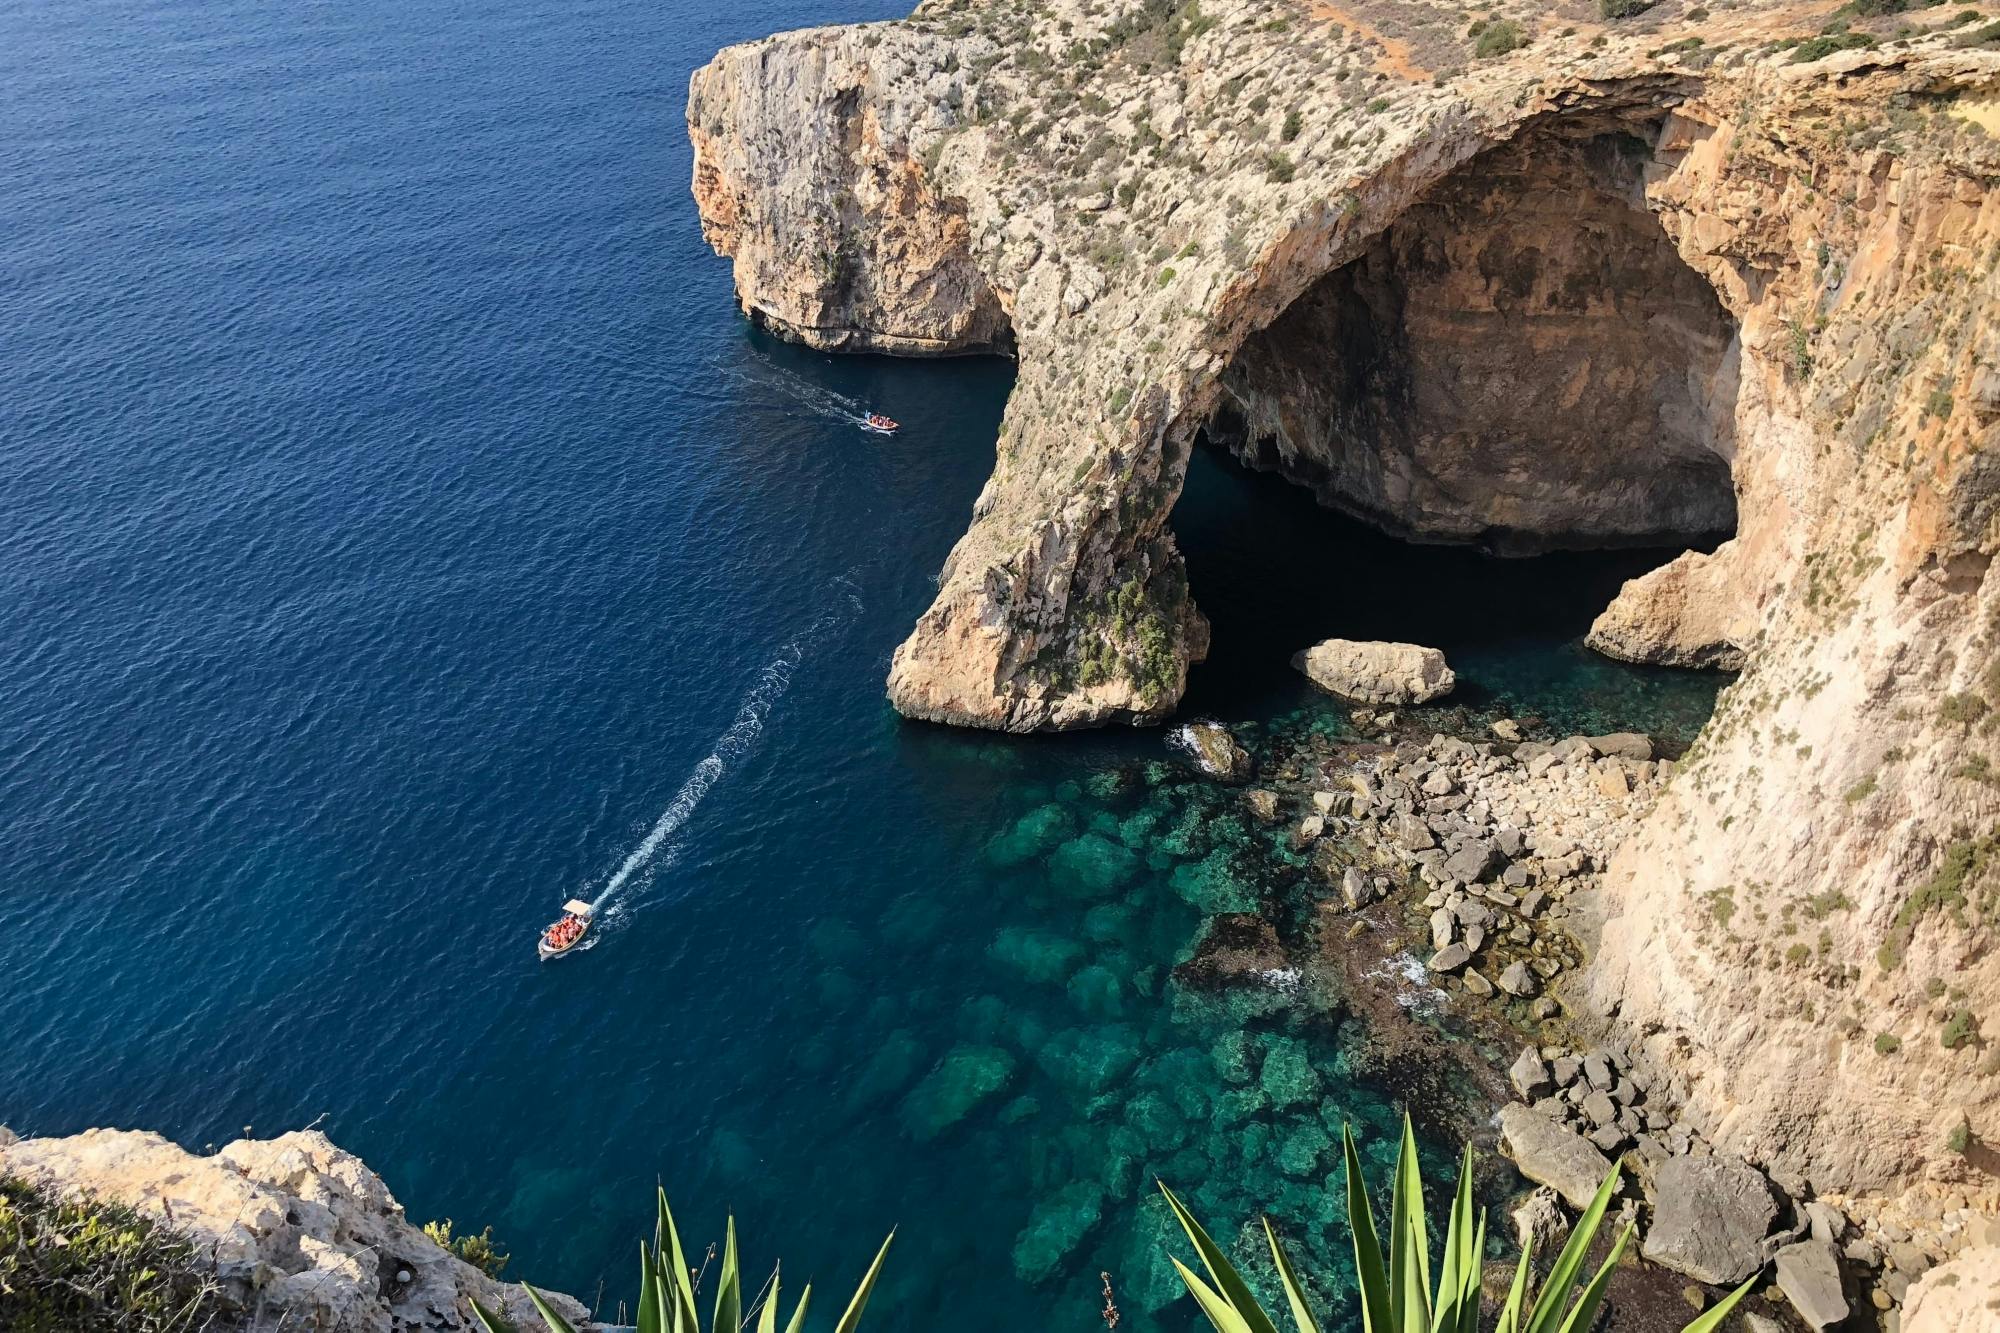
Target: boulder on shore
column 1809, row 1275
column 1552, row 1154
column 1710, row 1218
column 1376, row 673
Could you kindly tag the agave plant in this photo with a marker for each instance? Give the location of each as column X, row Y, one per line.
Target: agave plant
column 667, row 1291
column 1396, row 1291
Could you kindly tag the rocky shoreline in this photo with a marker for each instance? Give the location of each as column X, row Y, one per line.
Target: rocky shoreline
column 1472, row 862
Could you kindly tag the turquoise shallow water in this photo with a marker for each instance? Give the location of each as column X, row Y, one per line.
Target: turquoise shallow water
column 402, row 534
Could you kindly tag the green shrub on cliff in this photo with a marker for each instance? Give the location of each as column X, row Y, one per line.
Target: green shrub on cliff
column 479, row 1250
column 81, row 1267
column 1500, row 37
column 667, row 1290
column 1396, row 1287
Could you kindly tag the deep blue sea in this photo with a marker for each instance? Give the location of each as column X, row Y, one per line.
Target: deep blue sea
column 401, row 533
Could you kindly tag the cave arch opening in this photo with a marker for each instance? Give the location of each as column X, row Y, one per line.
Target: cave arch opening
column 1520, row 365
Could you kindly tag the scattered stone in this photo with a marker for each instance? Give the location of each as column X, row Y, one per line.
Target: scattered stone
column 1476, row 984
column 1609, row 1138
column 1263, row 803
column 1621, row 745
column 1323, row 801
column 1308, row 831
column 1710, row 1217
column 1530, row 1076
column 1472, row 862
column 1444, row 928
column 1597, row 1068
column 1507, row 729
column 1599, row 1107
column 1908, row 1258
column 1826, row 1221
column 1809, row 1275
column 1540, row 1224
column 1413, row 834
column 1354, row 888
column 1564, row 1069
column 1546, row 1008
column 1516, row 980
column 1552, row 1154
column 1376, row 673
column 1450, row 958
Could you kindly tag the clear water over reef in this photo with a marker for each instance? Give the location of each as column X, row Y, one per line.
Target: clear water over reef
column 402, row 534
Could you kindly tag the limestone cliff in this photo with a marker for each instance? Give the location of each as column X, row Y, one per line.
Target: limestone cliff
column 1561, row 281
column 301, row 1234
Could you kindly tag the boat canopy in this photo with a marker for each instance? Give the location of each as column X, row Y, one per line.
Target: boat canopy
column 577, row 907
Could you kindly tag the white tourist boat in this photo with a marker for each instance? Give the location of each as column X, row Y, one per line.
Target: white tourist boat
column 565, row 933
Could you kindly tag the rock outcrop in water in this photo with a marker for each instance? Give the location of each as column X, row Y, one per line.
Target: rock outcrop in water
column 1662, row 278
column 300, row 1234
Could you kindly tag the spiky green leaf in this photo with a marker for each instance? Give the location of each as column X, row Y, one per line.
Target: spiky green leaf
column 1409, row 1243
column 1711, row 1319
column 729, row 1285
column 1585, row 1312
column 680, row 1290
column 852, row 1315
column 1368, row 1264
column 798, row 1323
column 1295, row 1294
column 492, row 1322
column 652, row 1318
column 767, row 1318
column 1221, row 1272
column 1517, row 1294
column 1220, row 1312
column 1563, row 1274
column 556, row 1323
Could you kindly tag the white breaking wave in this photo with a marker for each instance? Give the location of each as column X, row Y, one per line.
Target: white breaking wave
column 734, row 743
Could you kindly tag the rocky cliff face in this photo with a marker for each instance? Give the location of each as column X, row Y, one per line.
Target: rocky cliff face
column 1639, row 279
column 301, row 1234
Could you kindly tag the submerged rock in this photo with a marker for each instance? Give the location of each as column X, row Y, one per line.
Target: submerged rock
column 1032, row 835
column 962, row 1081
column 1235, row 948
column 1376, row 673
column 1062, row 1223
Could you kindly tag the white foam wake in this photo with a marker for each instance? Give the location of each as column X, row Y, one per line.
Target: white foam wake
column 734, row 743
column 815, row 398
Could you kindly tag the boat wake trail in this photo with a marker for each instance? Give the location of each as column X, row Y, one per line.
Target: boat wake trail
column 659, row 848
column 815, row 398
